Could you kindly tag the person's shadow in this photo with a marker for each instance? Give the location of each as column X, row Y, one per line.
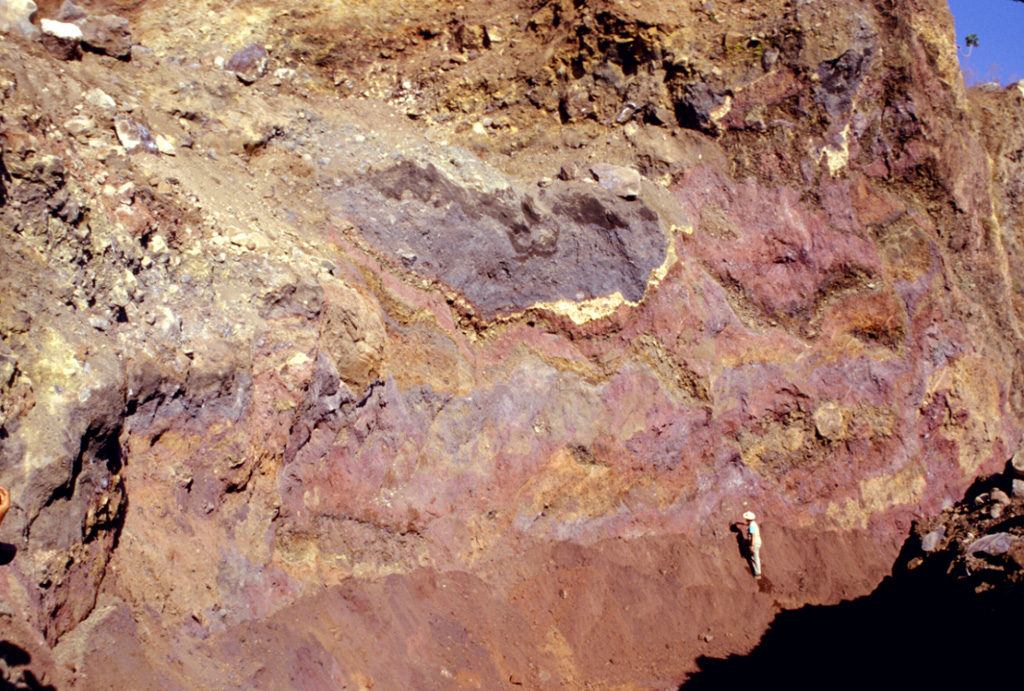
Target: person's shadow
column 7, row 553
column 741, row 544
column 15, row 656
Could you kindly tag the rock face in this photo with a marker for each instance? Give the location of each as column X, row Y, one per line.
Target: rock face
column 448, row 356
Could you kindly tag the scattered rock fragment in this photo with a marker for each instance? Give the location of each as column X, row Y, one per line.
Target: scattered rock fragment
column 999, row 501
column 829, row 422
column 99, row 323
column 700, row 107
column 80, row 126
column 134, row 136
column 165, row 145
column 620, row 181
column 569, row 171
column 769, row 59
column 248, row 64
column 284, row 74
column 100, row 99
column 471, row 37
column 61, row 39
column 495, row 34
column 994, row 544
column 662, row 116
column 626, row 113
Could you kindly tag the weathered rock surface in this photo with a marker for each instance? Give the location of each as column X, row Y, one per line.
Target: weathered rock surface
column 373, row 375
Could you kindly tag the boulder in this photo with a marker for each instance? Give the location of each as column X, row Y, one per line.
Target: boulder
column 995, row 544
column 107, row 34
column 248, row 64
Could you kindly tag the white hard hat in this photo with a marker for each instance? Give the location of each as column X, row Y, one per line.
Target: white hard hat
column 749, row 515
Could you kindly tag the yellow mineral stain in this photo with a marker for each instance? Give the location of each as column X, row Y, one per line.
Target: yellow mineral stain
column 972, row 397
column 778, row 440
column 569, row 489
column 298, row 360
column 301, row 554
column 718, row 113
column 836, row 159
column 584, row 311
column 878, row 494
column 60, row 364
column 557, row 645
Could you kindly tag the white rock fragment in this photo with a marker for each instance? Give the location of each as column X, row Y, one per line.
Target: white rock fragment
column 99, row 323
column 61, row 30
column 931, row 541
column 251, row 241
column 134, row 136
column 80, row 126
column 157, row 245
column 494, row 34
column 100, row 99
column 166, row 145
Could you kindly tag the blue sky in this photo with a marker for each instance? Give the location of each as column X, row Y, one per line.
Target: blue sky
column 999, row 26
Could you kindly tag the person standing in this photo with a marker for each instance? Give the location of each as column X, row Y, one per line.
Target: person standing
column 753, row 535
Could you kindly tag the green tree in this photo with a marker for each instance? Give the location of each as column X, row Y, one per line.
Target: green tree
column 971, row 42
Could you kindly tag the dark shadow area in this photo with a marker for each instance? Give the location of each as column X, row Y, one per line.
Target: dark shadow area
column 18, row 680
column 7, row 553
column 741, row 544
column 5, row 178
column 921, row 627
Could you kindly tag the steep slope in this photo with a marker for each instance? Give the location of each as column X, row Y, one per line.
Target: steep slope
column 438, row 345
